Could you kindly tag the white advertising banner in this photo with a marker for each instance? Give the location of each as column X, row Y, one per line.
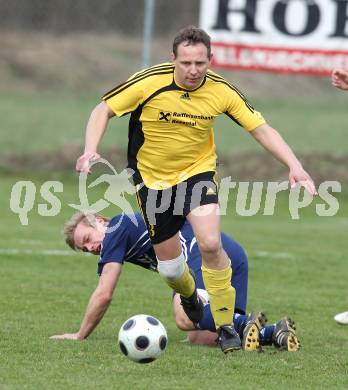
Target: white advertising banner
column 289, row 36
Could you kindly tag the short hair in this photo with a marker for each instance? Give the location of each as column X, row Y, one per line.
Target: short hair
column 86, row 218
column 192, row 35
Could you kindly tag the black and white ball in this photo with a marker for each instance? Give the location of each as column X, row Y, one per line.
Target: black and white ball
column 142, row 338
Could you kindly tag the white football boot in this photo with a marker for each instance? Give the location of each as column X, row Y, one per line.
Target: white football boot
column 342, row 318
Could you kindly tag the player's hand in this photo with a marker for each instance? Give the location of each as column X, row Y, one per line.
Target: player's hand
column 299, row 175
column 83, row 163
column 339, row 79
column 67, row 336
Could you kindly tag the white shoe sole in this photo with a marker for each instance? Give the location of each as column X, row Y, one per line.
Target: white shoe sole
column 342, row 318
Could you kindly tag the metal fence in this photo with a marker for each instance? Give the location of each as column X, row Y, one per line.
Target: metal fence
column 79, row 45
column 83, row 44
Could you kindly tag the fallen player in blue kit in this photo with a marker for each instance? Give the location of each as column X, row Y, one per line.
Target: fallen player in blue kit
column 119, row 240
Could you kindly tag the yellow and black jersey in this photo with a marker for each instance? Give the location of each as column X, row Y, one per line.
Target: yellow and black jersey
column 170, row 129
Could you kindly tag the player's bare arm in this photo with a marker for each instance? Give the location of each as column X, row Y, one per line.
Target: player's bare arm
column 98, row 303
column 339, row 79
column 202, row 337
column 181, row 319
column 95, row 129
column 273, row 142
column 194, row 336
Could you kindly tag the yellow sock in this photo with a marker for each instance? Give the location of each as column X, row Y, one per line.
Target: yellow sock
column 185, row 285
column 222, row 295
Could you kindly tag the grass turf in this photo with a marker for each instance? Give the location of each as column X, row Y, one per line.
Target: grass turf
column 51, row 121
column 296, row 268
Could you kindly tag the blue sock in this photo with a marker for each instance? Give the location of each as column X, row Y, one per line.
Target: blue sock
column 266, row 335
column 239, row 321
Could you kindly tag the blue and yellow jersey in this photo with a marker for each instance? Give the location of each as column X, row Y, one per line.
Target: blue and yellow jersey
column 171, row 128
column 126, row 242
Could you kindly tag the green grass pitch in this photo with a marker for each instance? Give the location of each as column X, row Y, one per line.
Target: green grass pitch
column 51, row 121
column 296, row 268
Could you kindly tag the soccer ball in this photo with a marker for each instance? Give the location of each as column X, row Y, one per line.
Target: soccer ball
column 142, row 338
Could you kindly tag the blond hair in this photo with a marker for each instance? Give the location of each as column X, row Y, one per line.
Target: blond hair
column 86, row 218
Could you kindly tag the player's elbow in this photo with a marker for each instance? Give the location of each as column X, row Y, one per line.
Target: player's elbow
column 105, row 298
column 102, row 109
column 183, row 323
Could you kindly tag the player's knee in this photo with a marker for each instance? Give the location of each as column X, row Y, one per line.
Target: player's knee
column 171, row 269
column 211, row 245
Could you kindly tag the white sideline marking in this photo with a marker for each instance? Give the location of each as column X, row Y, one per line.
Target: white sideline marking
column 63, row 252
column 275, row 255
column 46, row 252
column 30, row 242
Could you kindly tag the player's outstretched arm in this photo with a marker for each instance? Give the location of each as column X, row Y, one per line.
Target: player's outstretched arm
column 339, row 79
column 98, row 303
column 202, row 337
column 272, row 141
column 181, row 319
column 194, row 336
column 95, row 129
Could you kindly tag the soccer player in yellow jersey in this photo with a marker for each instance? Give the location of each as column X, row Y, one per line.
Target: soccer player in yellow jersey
column 172, row 153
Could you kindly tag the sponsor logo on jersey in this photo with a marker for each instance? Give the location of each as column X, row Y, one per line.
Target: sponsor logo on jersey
column 183, row 118
column 164, row 116
column 185, row 96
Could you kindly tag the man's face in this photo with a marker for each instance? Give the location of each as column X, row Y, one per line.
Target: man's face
column 88, row 238
column 191, row 64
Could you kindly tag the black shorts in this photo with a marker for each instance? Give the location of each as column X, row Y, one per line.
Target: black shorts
column 165, row 211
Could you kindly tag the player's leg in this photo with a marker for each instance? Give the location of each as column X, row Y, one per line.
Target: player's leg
column 204, row 332
column 217, row 272
column 284, row 335
column 252, row 324
column 248, row 326
column 178, row 276
column 172, row 266
column 239, row 264
column 251, row 328
column 163, row 227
